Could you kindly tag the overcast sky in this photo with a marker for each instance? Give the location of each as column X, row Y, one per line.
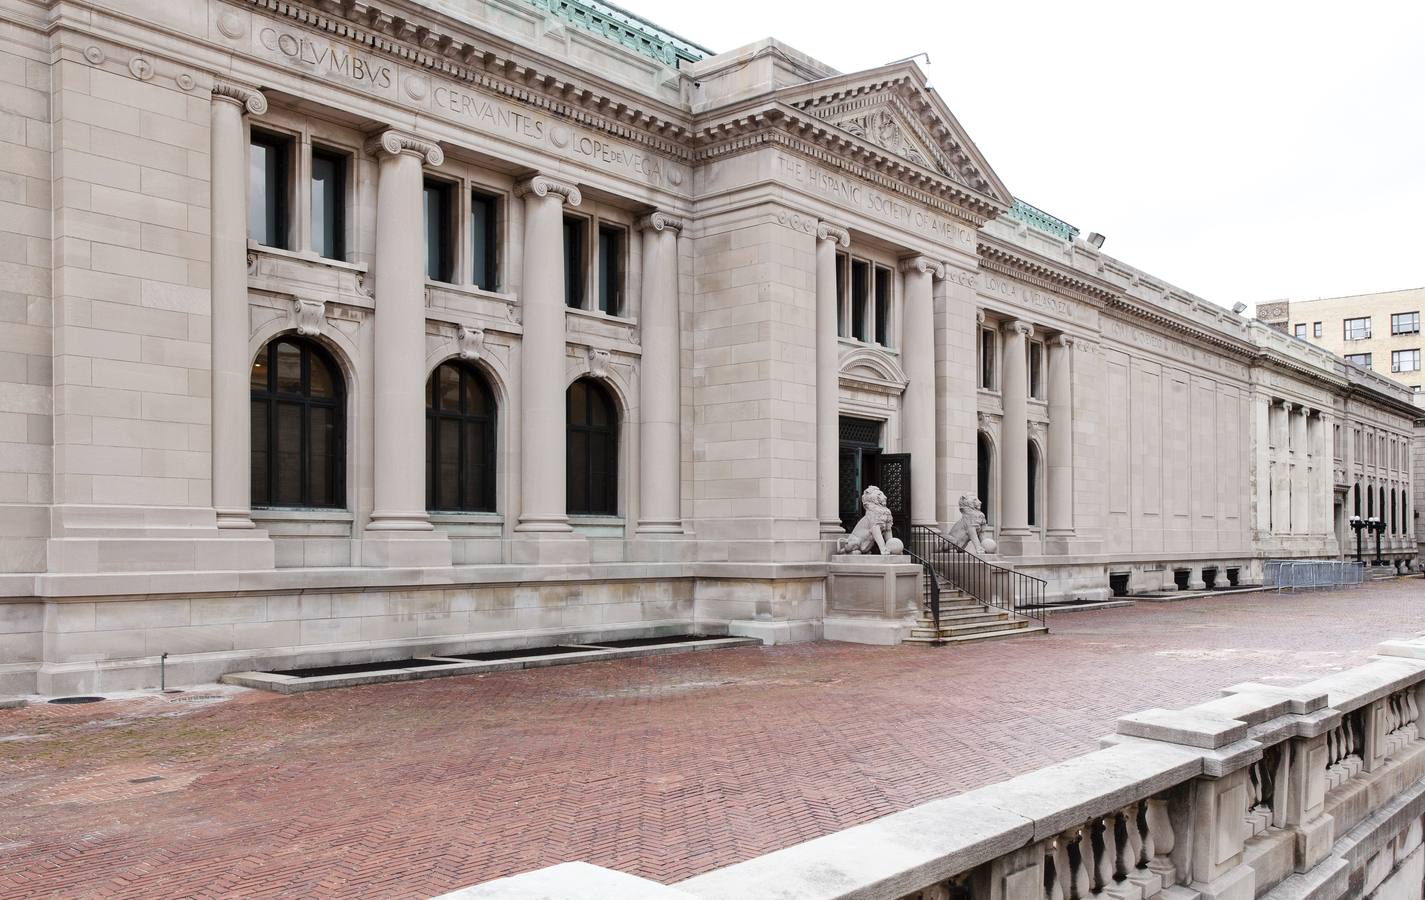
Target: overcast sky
column 1241, row 150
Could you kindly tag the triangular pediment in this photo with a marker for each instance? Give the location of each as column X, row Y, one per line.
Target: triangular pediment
column 893, row 109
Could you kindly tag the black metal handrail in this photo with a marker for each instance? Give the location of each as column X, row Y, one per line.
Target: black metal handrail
column 932, row 590
column 991, row 584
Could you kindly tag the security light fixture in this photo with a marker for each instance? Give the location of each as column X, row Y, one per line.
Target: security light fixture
column 1096, row 239
column 1239, row 308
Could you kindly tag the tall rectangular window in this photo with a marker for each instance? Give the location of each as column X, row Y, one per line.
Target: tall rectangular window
column 269, row 161
column 440, row 245
column 1036, row 370
column 860, row 291
column 329, row 203
column 574, row 233
column 1357, row 329
column 883, row 305
column 843, row 318
column 1405, row 360
column 1359, row 359
column 987, row 359
column 611, row 253
column 484, row 240
column 1405, row 323
column 1301, row 330
column 1316, row 329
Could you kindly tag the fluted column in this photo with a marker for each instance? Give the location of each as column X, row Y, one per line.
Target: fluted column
column 232, row 420
column 828, row 374
column 1060, row 452
column 918, row 413
column 1014, row 452
column 400, row 531
column 542, row 389
column 659, row 399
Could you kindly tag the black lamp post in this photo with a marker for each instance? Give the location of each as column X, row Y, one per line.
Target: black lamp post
column 1378, row 526
column 1358, row 525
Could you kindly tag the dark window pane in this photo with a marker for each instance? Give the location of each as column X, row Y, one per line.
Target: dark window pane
column 259, row 453
column 574, row 262
column 483, row 240
column 579, row 471
column 883, row 304
column 611, row 270
column 289, row 369
column 267, row 189
column 460, row 440
column 592, row 450
column 320, row 428
column 287, row 491
column 578, row 404
column 476, row 402
column 260, row 372
column 448, row 399
column 437, row 230
column 448, row 474
column 329, row 204
column 321, row 380
column 860, row 288
column 840, row 293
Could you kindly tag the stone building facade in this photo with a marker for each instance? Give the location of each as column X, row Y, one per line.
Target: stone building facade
column 338, row 330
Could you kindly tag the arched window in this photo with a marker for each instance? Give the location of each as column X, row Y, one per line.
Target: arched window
column 298, row 426
column 592, row 486
column 1033, row 485
column 460, row 440
column 982, row 482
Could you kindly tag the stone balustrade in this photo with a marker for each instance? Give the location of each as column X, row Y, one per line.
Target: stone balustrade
column 1313, row 791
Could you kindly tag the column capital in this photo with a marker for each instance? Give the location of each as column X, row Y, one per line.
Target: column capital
column 826, row 231
column 1018, row 326
column 1062, row 341
column 543, row 186
column 1286, row 405
column 923, row 265
column 657, row 221
column 249, row 99
column 398, row 142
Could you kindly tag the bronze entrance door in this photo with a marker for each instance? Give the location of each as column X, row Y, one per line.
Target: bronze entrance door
column 863, row 463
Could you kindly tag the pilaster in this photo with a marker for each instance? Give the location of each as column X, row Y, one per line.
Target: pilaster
column 660, row 402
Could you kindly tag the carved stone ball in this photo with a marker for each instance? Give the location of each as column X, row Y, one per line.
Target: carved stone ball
column 894, row 546
column 989, row 545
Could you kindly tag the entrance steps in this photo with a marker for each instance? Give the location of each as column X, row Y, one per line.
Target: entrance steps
column 964, row 619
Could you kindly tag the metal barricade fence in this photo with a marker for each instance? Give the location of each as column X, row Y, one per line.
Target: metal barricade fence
column 1311, row 574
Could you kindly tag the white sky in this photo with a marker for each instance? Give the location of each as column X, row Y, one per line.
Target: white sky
column 1242, row 151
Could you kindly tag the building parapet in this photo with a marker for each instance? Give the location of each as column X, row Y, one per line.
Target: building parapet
column 626, row 29
column 1265, row 791
column 1035, row 217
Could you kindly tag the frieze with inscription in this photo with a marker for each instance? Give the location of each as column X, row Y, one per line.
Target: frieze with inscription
column 854, row 193
column 1172, row 347
column 1024, row 295
column 349, row 66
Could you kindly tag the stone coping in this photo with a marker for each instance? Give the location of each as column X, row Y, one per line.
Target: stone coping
column 334, row 578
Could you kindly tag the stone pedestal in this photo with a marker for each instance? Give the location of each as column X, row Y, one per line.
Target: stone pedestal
column 871, row 599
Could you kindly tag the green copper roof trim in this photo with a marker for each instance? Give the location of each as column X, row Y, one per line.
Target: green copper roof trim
column 623, row 27
column 1035, row 217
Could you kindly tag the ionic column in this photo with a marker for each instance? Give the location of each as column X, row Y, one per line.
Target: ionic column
column 1060, row 452
column 1281, row 482
column 1014, row 453
column 659, row 399
column 1300, row 483
column 918, row 412
column 828, row 375
column 400, row 532
column 542, row 389
column 232, row 419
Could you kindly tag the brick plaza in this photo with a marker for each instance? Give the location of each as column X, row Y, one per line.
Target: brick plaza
column 663, row 766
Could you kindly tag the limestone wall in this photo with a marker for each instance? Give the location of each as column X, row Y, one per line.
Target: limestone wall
column 1266, row 792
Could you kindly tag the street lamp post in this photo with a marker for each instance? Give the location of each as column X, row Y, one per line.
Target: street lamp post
column 1378, row 526
column 1358, row 525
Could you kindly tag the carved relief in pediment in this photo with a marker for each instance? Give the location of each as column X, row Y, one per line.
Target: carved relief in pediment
column 884, row 130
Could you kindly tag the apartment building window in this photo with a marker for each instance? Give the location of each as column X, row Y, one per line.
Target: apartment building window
column 1316, row 329
column 864, row 314
column 1358, row 329
column 440, row 243
column 329, row 203
column 485, row 240
column 1405, row 360
column 1360, row 359
column 1036, row 370
column 269, row 162
column 987, row 358
column 1301, row 330
column 1405, row 323
column 576, row 230
column 612, row 241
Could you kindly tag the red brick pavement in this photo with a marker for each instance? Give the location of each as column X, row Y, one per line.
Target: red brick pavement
column 664, row 766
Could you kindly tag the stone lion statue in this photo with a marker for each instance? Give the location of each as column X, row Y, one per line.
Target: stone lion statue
column 965, row 533
column 874, row 529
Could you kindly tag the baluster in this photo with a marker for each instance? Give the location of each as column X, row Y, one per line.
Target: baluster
column 1412, row 709
column 1147, row 845
column 1331, row 746
column 1123, row 858
column 1078, row 855
column 1103, row 852
column 1160, row 826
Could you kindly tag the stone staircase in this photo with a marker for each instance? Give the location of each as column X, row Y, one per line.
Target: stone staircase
column 964, row 619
